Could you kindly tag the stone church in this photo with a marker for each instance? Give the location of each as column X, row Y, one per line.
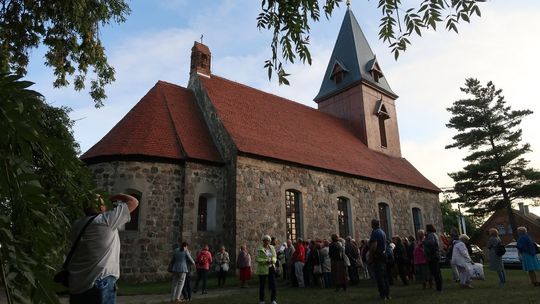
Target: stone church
column 221, row 163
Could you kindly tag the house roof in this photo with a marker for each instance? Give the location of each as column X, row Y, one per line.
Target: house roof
column 530, row 218
column 353, row 53
column 165, row 123
column 267, row 125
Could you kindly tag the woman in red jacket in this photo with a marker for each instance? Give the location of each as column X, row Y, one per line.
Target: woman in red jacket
column 203, row 261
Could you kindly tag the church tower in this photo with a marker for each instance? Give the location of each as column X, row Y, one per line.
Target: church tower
column 354, row 88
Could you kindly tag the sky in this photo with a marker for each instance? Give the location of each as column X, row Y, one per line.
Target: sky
column 155, row 42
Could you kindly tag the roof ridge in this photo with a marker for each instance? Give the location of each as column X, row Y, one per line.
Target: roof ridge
column 286, row 100
column 172, row 84
column 165, row 100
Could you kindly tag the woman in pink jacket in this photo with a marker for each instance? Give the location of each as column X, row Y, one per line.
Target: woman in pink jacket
column 421, row 268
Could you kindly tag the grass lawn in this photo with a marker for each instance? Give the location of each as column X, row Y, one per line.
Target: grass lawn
column 517, row 290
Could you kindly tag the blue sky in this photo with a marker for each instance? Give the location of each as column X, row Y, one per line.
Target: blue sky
column 154, row 44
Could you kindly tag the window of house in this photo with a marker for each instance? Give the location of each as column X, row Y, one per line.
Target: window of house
column 343, row 216
column 382, row 132
column 292, row 211
column 384, row 218
column 417, row 219
column 338, row 73
column 207, row 212
column 382, row 115
column 133, row 224
column 375, row 70
column 202, row 214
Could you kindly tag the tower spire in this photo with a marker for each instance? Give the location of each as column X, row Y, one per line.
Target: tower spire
column 353, row 58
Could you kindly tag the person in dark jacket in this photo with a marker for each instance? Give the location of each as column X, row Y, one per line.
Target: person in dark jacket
column 339, row 271
column 401, row 257
column 351, row 250
column 432, row 253
column 377, row 259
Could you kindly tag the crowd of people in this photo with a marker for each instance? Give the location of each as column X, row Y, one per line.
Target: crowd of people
column 93, row 265
column 339, row 262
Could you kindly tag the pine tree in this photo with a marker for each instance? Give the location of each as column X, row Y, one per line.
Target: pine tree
column 496, row 174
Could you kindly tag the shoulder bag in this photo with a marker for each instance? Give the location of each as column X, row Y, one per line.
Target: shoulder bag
column 62, row 276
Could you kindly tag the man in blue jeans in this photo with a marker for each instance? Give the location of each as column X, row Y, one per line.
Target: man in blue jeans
column 377, row 249
column 95, row 265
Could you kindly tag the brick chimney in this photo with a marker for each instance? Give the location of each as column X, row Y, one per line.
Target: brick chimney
column 200, row 59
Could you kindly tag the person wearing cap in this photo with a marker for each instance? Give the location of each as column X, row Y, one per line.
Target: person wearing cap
column 266, row 260
column 378, row 259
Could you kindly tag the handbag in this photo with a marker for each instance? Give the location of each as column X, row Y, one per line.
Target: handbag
column 317, row 269
column 225, row 267
column 62, row 276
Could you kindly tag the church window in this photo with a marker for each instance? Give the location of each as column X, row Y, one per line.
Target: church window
column 417, row 219
column 382, row 115
column 133, row 224
column 204, row 60
column 384, row 218
column 292, row 211
column 202, row 214
column 375, row 70
column 338, row 73
column 343, row 216
column 382, row 132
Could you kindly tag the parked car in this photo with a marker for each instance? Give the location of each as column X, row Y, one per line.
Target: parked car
column 511, row 257
column 477, row 255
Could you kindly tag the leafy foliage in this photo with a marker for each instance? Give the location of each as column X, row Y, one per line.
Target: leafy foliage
column 450, row 218
column 42, row 185
column 496, row 174
column 69, row 30
column 289, row 22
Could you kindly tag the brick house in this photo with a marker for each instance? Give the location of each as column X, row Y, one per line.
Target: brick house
column 499, row 220
column 219, row 162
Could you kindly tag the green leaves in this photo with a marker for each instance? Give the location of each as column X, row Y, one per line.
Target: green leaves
column 42, row 182
column 289, row 22
column 70, row 32
column 496, row 173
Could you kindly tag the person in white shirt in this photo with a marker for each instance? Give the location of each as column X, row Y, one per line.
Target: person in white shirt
column 95, row 264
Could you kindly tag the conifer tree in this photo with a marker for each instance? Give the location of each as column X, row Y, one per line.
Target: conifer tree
column 496, row 174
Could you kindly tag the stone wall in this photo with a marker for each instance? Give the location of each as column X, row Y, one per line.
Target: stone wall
column 167, row 210
column 260, row 203
column 205, row 180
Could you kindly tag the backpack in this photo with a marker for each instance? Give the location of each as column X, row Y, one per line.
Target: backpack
column 202, row 259
column 500, row 250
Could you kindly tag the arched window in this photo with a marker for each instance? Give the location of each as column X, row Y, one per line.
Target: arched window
column 133, row 224
column 202, row 214
column 384, row 218
column 343, row 216
column 206, row 213
column 382, row 132
column 382, row 115
column 292, row 213
column 417, row 219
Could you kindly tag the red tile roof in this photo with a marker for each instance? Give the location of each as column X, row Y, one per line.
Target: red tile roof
column 267, row 125
column 166, row 123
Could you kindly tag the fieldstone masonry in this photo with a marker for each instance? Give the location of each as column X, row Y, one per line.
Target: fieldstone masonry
column 261, row 187
column 166, row 210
